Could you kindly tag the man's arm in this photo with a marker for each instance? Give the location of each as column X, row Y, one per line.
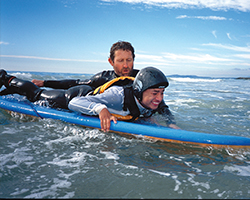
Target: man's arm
column 60, row 84
column 95, row 81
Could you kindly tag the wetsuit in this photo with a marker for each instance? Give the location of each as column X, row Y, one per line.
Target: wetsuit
column 65, row 90
column 112, row 99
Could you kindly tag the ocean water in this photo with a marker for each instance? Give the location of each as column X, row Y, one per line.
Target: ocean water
column 45, row 158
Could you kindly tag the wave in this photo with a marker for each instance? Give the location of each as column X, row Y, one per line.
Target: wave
column 187, row 79
column 22, row 75
column 48, row 75
column 59, row 76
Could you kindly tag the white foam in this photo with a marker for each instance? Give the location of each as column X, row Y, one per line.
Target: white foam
column 240, row 170
column 22, row 75
column 195, row 80
column 184, row 102
column 161, row 173
column 110, row 155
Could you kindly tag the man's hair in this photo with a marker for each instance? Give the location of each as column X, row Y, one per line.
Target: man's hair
column 125, row 46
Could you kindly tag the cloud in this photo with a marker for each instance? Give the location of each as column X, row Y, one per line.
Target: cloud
column 246, row 36
column 244, row 56
column 229, row 47
column 214, row 33
column 4, row 43
column 150, row 57
column 175, row 59
column 201, row 17
column 228, row 35
column 240, row 69
column 241, row 5
column 196, row 58
column 50, row 59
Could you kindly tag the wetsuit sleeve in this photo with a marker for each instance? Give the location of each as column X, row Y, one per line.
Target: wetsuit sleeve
column 68, row 83
column 95, row 81
column 111, row 99
column 62, row 84
column 164, row 110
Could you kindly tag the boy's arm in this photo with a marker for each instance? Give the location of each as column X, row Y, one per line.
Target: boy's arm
column 174, row 126
column 168, row 116
column 98, row 105
column 83, row 105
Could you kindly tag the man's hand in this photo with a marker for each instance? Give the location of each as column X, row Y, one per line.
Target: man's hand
column 38, row 83
column 106, row 118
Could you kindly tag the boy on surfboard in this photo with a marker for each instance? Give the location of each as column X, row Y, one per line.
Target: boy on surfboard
column 141, row 99
column 125, row 102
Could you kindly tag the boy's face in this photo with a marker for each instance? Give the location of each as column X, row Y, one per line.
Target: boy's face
column 151, row 98
column 123, row 62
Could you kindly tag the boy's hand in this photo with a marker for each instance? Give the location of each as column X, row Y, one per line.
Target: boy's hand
column 174, row 126
column 106, row 118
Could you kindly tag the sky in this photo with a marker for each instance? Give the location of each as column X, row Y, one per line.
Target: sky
column 185, row 37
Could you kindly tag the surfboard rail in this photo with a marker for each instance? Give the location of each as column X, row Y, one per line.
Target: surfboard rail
column 154, row 132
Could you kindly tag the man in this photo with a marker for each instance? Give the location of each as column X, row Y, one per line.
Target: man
column 142, row 99
column 122, row 60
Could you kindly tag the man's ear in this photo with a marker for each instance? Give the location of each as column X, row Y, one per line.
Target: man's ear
column 111, row 62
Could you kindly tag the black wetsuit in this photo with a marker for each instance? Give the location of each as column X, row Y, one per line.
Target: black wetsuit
column 65, row 90
column 72, row 88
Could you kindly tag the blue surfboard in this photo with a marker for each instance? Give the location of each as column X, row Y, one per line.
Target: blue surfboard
column 155, row 132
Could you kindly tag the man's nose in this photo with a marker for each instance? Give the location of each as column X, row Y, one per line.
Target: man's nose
column 125, row 64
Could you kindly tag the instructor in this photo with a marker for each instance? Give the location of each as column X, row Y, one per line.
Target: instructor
column 121, row 58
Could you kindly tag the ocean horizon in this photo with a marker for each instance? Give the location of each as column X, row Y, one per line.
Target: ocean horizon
column 91, row 74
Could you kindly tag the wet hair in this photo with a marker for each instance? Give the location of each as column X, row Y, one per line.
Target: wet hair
column 125, row 46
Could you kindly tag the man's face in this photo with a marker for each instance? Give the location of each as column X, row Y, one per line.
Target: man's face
column 151, row 98
column 123, row 62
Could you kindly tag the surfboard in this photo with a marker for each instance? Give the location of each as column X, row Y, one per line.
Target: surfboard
column 154, row 132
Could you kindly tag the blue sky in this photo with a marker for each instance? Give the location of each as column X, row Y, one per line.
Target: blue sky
column 187, row 37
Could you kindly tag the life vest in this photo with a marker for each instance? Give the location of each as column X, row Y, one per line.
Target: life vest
column 120, row 81
column 129, row 100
